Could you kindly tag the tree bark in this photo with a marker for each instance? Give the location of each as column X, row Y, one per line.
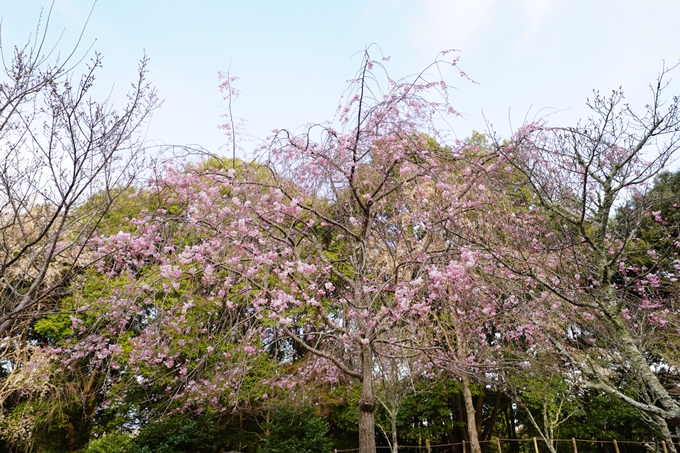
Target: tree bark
column 81, row 420
column 470, row 412
column 367, row 403
column 395, row 438
column 639, row 364
column 479, row 417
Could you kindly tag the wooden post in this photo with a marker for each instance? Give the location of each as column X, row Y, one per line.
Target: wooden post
column 663, row 444
column 498, row 443
column 573, row 441
column 616, row 446
column 535, row 445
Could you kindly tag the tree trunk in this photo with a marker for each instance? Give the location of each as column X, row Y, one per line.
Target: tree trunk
column 479, row 417
column 81, row 420
column 470, row 412
column 512, row 420
column 666, row 433
column 458, row 432
column 611, row 306
column 491, row 422
column 395, row 438
column 639, row 364
column 367, row 403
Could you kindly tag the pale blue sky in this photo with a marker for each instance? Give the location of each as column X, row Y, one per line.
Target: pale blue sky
column 293, row 57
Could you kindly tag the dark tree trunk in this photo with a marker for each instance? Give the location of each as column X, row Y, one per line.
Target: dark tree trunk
column 512, row 429
column 81, row 419
column 491, row 422
column 367, row 403
column 479, row 416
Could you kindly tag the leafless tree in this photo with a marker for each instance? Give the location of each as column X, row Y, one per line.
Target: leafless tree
column 588, row 260
column 64, row 159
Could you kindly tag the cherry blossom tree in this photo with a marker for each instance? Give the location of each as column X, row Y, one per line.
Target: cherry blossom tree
column 482, row 329
column 350, row 230
column 161, row 316
column 594, row 301
column 318, row 253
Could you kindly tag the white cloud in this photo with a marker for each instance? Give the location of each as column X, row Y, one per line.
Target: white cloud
column 468, row 24
column 447, row 24
column 535, row 14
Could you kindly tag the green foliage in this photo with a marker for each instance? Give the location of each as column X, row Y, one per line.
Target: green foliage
column 114, row 442
column 605, row 417
column 426, row 414
column 83, row 303
column 589, row 415
column 179, row 434
column 340, row 407
column 297, row 431
column 52, row 328
column 34, row 425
